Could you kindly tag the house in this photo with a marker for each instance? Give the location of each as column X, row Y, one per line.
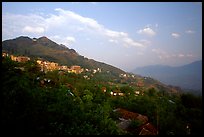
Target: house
column 131, row 115
column 116, row 92
column 125, row 117
column 20, row 58
column 53, row 65
column 103, row 89
column 121, row 94
column 148, row 129
column 76, row 69
column 137, row 93
column 13, row 57
column 63, row 68
column 140, row 84
column 4, row 54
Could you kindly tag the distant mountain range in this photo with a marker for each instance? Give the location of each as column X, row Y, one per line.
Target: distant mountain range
column 47, row 49
column 187, row 76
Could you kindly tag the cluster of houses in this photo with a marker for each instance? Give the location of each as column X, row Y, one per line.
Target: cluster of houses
column 50, row 66
column 119, row 93
column 16, row 58
column 46, row 65
column 126, row 75
column 20, row 58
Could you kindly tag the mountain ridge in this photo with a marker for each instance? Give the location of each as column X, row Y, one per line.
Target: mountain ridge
column 47, row 49
column 188, row 76
column 51, row 51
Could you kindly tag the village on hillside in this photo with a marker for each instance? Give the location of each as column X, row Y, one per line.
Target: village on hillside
column 129, row 121
column 46, row 66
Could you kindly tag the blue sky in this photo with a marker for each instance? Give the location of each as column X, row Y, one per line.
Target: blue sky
column 124, row 34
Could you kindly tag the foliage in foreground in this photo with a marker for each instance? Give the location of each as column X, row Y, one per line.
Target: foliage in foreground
column 71, row 105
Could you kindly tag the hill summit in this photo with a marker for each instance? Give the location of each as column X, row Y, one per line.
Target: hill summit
column 49, row 50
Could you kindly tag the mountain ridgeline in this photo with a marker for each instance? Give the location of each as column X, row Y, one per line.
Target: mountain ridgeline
column 188, row 76
column 51, row 51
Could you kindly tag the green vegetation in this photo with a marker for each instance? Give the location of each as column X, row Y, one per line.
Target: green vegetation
column 69, row 104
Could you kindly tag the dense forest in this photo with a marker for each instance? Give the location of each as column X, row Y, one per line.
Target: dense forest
column 62, row 103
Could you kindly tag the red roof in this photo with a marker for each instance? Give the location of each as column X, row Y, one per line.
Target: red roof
column 131, row 115
column 145, row 129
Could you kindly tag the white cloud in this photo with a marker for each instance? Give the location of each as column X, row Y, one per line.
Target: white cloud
column 113, row 41
column 14, row 25
column 175, row 35
column 181, row 55
column 190, row 31
column 89, row 22
column 147, row 31
column 70, row 39
column 162, row 54
column 67, row 41
column 165, row 55
column 93, row 25
column 64, row 23
column 116, row 34
column 29, row 29
column 130, row 42
column 145, row 42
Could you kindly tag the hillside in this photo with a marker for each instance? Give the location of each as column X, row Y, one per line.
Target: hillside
column 187, row 76
column 51, row 51
column 63, row 103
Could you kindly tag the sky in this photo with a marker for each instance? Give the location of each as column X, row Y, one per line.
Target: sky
column 126, row 35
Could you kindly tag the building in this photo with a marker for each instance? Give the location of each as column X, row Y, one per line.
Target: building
column 20, row 58
column 125, row 117
column 137, row 93
column 140, row 84
column 76, row 69
column 53, row 66
column 103, row 89
column 4, row 54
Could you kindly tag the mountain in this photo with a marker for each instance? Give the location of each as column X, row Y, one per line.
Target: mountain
column 187, row 76
column 47, row 49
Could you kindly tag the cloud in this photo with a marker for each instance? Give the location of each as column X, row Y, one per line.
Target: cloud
column 70, row 39
column 67, row 41
column 145, row 42
column 113, row 41
column 165, row 55
column 181, row 55
column 14, row 25
column 64, row 23
column 89, row 22
column 190, row 31
column 116, row 34
column 129, row 41
column 29, row 29
column 175, row 35
column 91, row 25
column 147, row 31
column 161, row 53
